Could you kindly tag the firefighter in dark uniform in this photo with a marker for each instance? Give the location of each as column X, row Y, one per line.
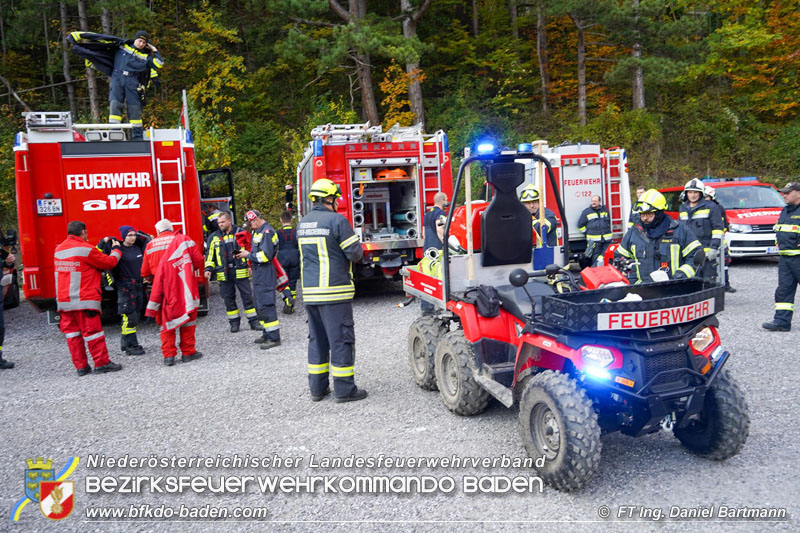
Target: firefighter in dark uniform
column 711, row 196
column 231, row 272
column 787, row 234
column 134, row 64
column 210, row 216
column 130, row 287
column 657, row 242
column 595, row 222
column 530, row 199
column 265, row 248
column 289, row 257
column 702, row 217
column 7, row 258
column 328, row 247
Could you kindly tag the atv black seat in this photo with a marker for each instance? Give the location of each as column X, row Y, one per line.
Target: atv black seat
column 515, row 301
column 506, row 228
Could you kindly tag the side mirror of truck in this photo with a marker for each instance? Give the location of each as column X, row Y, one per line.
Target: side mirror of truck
column 518, row 277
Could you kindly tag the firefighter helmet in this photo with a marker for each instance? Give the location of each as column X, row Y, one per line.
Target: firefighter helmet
column 710, row 191
column 529, row 194
column 323, row 188
column 694, row 185
column 650, row 201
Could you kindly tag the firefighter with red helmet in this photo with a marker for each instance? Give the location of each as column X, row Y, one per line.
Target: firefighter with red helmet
column 328, row 247
column 264, row 250
column 657, row 242
column 78, row 266
column 231, row 272
column 705, row 221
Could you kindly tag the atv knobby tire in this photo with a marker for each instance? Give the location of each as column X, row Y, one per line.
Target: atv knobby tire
column 559, row 422
column 723, row 424
column 454, row 376
column 423, row 335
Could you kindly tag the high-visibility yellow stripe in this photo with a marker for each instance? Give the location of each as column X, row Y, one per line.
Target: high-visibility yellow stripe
column 318, row 369
column 623, row 252
column 717, row 233
column 691, row 246
column 135, row 121
column 789, row 252
column 790, row 228
column 674, row 257
column 347, row 242
column 235, row 312
column 250, row 312
column 342, row 371
column 328, row 298
column 322, row 256
column 157, row 62
column 783, row 306
column 688, row 270
column 262, row 257
column 115, row 117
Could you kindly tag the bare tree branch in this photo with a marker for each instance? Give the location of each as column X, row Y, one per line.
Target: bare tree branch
column 340, row 11
column 12, row 91
column 311, row 22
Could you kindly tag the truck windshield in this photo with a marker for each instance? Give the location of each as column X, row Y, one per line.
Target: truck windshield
column 749, row 197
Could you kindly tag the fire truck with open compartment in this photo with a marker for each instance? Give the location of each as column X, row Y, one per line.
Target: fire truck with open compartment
column 388, row 182
column 91, row 173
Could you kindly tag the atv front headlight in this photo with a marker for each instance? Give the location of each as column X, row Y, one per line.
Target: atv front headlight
column 597, row 356
column 703, row 339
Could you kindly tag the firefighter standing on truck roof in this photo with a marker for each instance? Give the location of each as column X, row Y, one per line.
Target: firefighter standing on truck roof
column 265, row 248
column 328, row 247
column 231, row 272
column 711, row 196
column 129, row 64
column 657, row 242
column 78, row 265
column 7, row 258
column 787, row 234
column 170, row 259
column 705, row 221
column 130, row 289
column 596, row 224
column 530, row 199
column 289, row 258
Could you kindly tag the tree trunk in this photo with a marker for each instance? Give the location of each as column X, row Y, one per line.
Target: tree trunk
column 512, row 7
column 73, row 108
column 637, row 74
column 105, row 21
column 3, row 35
column 581, row 73
column 412, row 67
column 47, row 54
column 475, row 18
column 368, row 102
column 541, row 54
column 90, row 73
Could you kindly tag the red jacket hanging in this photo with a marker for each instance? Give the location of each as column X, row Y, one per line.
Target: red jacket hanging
column 175, row 295
column 78, row 267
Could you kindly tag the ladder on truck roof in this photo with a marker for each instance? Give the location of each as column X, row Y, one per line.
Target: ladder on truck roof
column 613, row 173
column 170, row 175
column 344, row 133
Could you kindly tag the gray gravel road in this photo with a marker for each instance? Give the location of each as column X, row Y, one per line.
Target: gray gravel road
column 241, row 400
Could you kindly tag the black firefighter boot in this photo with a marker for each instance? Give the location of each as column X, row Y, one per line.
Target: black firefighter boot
column 133, row 346
column 235, row 325
column 4, row 365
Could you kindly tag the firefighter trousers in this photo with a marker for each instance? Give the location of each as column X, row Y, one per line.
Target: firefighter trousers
column 80, row 327
column 788, row 279
column 331, row 348
column 123, row 90
column 264, row 281
column 595, row 249
column 168, row 348
column 227, row 289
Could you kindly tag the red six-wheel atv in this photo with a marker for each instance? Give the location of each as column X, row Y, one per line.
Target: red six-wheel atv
column 635, row 359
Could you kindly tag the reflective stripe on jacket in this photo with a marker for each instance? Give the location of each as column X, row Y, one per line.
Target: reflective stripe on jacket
column 674, row 252
column 787, row 231
column 595, row 223
column 220, row 255
column 78, row 267
column 705, row 221
column 328, row 246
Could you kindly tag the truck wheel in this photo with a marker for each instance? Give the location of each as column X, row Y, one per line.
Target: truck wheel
column 453, row 365
column 723, row 424
column 559, row 423
column 423, row 335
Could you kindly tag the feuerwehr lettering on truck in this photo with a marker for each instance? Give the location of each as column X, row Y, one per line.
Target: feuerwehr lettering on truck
column 110, row 180
column 655, row 318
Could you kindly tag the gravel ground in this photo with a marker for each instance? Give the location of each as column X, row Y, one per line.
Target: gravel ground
column 241, row 400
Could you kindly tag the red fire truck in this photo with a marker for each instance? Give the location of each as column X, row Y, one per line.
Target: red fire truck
column 89, row 172
column 388, row 181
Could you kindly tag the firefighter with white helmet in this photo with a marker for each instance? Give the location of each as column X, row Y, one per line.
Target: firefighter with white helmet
column 711, row 195
column 657, row 242
column 705, row 221
column 328, row 247
column 530, row 199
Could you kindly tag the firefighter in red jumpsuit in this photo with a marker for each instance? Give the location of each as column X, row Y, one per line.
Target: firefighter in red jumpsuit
column 78, row 269
column 170, row 259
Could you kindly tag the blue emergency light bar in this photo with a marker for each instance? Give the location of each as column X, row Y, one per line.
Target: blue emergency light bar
column 485, row 148
column 722, row 180
column 525, row 148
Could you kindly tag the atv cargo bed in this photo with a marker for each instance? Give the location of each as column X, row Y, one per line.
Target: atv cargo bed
column 662, row 304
